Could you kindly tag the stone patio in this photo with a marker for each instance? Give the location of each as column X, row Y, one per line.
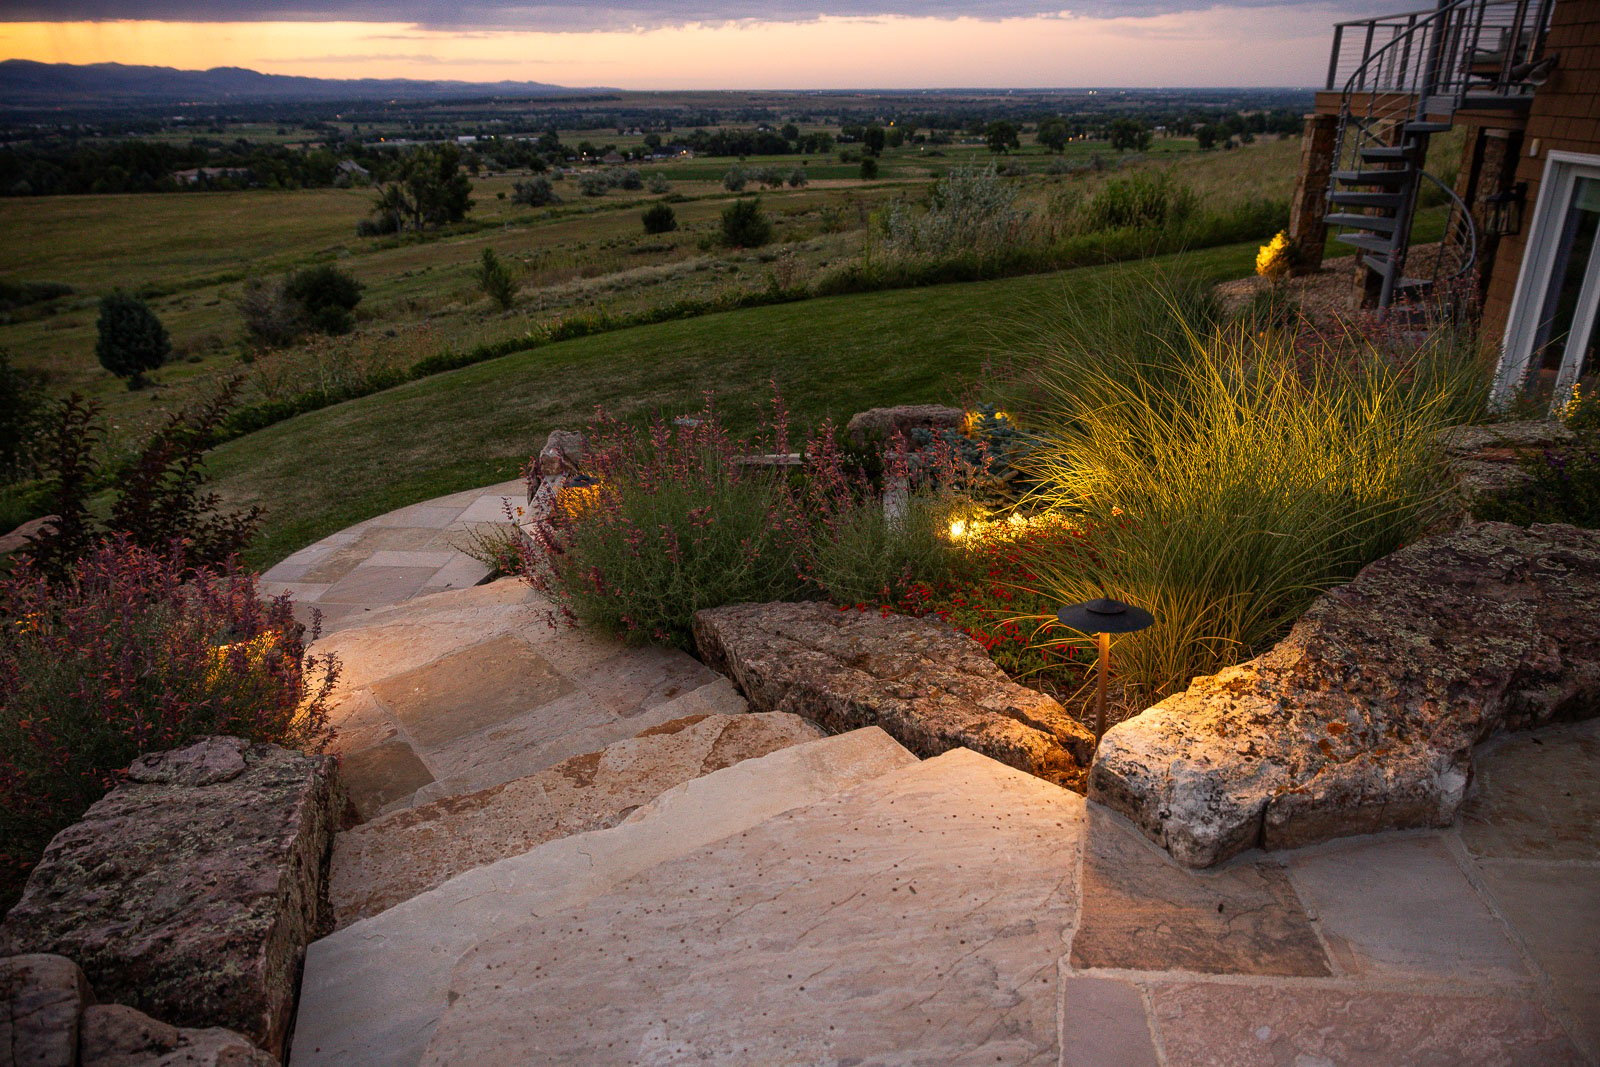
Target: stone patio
column 406, row 553
column 838, row 900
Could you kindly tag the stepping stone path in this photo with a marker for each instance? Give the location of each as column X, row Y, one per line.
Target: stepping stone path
column 574, row 852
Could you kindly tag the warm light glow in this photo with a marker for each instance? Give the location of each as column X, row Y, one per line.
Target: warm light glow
column 1273, row 259
column 1270, row 45
column 958, row 529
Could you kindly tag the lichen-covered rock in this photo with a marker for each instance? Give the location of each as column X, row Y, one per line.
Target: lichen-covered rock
column 50, row 1019
column 880, row 424
column 1486, row 459
column 114, row 1035
column 562, row 453
column 1364, row 717
column 929, row 687
column 191, row 894
column 42, row 998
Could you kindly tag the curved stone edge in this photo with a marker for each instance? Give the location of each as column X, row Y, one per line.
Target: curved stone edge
column 1364, row 717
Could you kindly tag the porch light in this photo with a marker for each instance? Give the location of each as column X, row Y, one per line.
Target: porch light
column 1103, row 617
column 1505, row 210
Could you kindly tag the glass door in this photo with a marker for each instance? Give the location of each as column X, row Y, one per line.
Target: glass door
column 1564, row 333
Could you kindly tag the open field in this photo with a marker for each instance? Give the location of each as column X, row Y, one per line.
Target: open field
column 319, row 472
column 192, row 252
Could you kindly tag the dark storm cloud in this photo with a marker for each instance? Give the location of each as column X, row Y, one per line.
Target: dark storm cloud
column 508, row 14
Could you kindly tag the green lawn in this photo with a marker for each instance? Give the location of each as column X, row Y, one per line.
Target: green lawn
column 325, row 470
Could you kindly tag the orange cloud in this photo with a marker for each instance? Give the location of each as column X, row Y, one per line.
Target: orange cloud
column 1221, row 46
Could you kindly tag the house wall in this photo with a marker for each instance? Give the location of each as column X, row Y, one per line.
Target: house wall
column 1565, row 117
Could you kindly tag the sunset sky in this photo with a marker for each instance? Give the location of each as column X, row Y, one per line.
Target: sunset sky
column 681, row 44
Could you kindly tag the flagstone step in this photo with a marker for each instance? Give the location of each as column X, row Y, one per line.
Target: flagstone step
column 462, row 691
column 373, row 991
column 393, row 858
column 918, row 918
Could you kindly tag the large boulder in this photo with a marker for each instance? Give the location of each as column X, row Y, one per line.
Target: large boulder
column 43, row 998
column 191, row 890
column 929, row 687
column 50, row 1019
column 1487, row 459
column 880, row 424
column 1364, row 717
column 115, row 1035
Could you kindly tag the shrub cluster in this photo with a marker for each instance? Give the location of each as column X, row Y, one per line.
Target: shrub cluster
column 132, row 652
column 318, row 299
column 130, row 339
column 1232, row 476
column 497, row 280
column 157, row 500
column 678, row 522
column 535, row 192
column 745, row 225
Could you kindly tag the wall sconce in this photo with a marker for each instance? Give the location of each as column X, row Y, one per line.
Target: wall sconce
column 1103, row 617
column 1505, row 210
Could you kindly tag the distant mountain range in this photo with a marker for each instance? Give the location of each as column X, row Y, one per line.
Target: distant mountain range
column 24, row 83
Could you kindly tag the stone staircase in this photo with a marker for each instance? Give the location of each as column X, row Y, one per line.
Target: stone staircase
column 375, row 991
column 723, row 886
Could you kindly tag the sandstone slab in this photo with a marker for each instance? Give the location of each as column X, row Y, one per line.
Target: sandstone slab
column 381, row 863
column 373, row 992
column 114, row 1035
column 1400, row 907
column 931, row 688
column 42, row 998
column 1536, row 796
column 1364, row 718
column 1325, row 1024
column 1104, row 1022
column 917, row 918
column 192, row 902
column 1141, row 911
column 1555, row 910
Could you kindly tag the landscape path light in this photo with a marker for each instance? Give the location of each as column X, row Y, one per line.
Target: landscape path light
column 1103, row 617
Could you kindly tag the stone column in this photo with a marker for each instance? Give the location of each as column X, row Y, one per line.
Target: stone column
column 1307, row 232
column 1496, row 171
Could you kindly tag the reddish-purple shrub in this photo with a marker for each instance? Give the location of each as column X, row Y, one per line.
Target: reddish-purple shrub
column 674, row 523
column 132, row 652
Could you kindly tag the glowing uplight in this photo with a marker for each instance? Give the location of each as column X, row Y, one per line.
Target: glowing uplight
column 958, row 529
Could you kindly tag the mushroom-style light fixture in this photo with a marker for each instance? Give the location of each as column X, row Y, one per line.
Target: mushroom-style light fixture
column 1103, row 617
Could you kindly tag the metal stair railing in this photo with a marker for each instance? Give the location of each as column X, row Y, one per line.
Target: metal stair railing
column 1398, row 71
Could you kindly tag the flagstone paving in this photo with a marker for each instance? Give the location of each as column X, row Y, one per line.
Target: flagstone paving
column 408, row 552
column 837, row 901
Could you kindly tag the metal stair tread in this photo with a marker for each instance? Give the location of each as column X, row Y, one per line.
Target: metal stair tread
column 1367, row 241
column 1376, row 223
column 1366, row 199
column 1374, row 177
column 1380, row 153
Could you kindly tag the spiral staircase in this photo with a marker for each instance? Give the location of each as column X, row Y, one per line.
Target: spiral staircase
column 1404, row 78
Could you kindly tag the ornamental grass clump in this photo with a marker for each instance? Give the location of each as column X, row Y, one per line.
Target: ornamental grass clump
column 134, row 652
column 1231, row 479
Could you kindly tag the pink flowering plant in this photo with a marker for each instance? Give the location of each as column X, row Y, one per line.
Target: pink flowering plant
column 674, row 523
column 134, row 652
column 682, row 516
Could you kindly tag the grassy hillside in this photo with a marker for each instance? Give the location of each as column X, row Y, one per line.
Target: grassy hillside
column 192, row 253
column 322, row 471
